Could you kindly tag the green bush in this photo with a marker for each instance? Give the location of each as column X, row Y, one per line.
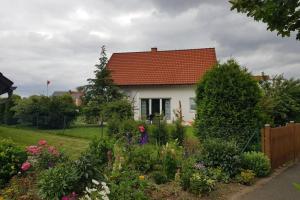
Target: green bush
column 113, row 127
column 11, row 159
column 126, row 185
column 158, row 132
column 160, row 177
column 257, row 162
column 217, row 174
column 57, row 182
column 187, row 169
column 227, row 104
column 201, row 184
column 7, row 113
column 171, row 156
column 220, row 153
column 92, row 163
column 143, row 158
column 246, row 177
column 122, row 109
column 46, row 112
column 178, row 132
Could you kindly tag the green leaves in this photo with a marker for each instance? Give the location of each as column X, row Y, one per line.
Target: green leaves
column 282, row 16
column 227, row 102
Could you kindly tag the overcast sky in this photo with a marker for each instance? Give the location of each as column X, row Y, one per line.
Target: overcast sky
column 60, row 40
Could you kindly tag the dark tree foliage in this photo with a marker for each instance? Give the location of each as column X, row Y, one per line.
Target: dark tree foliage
column 281, row 100
column 121, row 109
column 280, row 15
column 46, row 112
column 100, row 89
column 6, row 113
column 227, row 104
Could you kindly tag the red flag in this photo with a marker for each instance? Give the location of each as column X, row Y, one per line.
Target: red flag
column 48, row 82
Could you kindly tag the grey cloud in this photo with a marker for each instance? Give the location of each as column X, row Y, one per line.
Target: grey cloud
column 60, row 40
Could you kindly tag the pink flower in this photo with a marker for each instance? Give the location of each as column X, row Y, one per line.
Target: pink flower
column 53, row 151
column 42, row 142
column 25, row 166
column 33, row 150
column 65, row 198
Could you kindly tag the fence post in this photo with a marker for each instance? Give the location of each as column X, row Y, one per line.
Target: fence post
column 267, row 141
column 293, row 137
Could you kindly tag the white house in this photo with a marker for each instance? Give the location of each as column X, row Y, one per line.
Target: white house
column 157, row 81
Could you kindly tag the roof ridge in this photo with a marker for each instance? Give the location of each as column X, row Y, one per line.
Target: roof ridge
column 170, row 50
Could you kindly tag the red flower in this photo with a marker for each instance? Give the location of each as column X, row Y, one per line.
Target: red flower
column 42, row 142
column 25, row 166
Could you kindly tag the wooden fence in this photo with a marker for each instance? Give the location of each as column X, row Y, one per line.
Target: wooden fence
column 281, row 144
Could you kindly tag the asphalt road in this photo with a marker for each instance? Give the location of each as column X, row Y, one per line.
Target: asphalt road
column 279, row 188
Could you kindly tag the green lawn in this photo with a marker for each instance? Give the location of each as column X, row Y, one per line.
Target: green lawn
column 67, row 141
column 84, row 132
column 73, row 140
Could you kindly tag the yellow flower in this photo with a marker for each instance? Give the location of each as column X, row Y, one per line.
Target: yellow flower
column 142, row 178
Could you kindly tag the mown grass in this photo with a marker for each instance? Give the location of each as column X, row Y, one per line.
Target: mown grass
column 72, row 146
column 73, row 140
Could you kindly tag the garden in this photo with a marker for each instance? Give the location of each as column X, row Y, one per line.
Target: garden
column 126, row 159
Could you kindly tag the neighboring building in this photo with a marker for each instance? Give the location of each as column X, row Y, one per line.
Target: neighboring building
column 157, row 80
column 6, row 85
column 76, row 96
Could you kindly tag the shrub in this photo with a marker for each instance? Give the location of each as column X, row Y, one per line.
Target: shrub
column 160, row 177
column 187, row 169
column 171, row 156
column 217, row 174
column 11, row 159
column 42, row 156
column 122, row 109
column 143, row 158
column 126, row 185
column 91, row 163
column 21, row 186
column 191, row 146
column 7, row 113
column 220, row 153
column 159, row 131
column 246, row 177
column 257, row 162
column 46, row 112
column 227, row 104
column 201, row 184
column 57, row 182
column 113, row 127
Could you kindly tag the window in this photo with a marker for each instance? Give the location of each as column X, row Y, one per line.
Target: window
column 166, row 108
column 144, row 108
column 155, row 106
column 193, row 105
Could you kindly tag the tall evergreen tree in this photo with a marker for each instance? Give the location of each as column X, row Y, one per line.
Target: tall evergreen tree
column 100, row 89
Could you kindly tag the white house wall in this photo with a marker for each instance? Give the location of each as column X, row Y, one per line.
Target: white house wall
column 175, row 93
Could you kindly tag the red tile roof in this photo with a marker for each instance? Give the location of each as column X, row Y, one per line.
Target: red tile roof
column 154, row 67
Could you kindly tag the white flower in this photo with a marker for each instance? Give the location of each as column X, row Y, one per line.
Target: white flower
column 106, row 189
column 95, row 182
column 103, row 183
column 88, row 197
column 105, row 198
column 87, row 190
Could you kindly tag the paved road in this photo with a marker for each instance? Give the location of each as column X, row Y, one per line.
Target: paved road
column 279, row 188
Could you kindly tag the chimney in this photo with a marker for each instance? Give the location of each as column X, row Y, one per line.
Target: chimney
column 154, row 49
